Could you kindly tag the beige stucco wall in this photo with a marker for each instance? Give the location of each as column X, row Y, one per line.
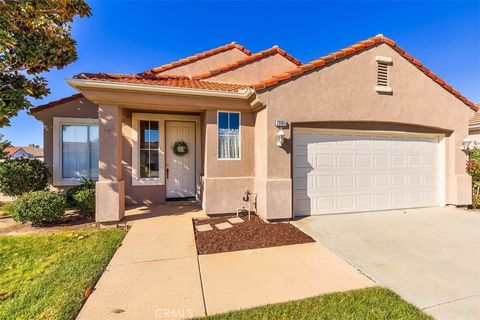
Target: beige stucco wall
column 79, row 108
column 345, row 92
column 225, row 181
column 208, row 63
column 255, row 71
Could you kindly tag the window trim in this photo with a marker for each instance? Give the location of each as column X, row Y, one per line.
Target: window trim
column 58, row 122
column 239, row 135
column 150, row 149
column 137, row 180
column 162, row 118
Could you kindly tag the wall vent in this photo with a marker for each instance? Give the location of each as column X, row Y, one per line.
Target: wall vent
column 383, row 64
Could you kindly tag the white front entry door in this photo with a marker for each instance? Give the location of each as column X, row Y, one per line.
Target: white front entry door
column 180, row 170
column 349, row 171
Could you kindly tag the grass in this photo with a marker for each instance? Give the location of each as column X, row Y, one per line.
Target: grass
column 4, row 209
column 370, row 303
column 45, row 276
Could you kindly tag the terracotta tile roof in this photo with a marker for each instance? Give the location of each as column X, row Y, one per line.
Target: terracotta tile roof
column 475, row 120
column 33, row 151
column 354, row 49
column 199, row 56
column 11, row 150
column 252, row 58
column 56, row 102
column 162, row 80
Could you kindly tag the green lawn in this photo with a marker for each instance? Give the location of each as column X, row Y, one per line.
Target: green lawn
column 371, row 303
column 45, row 276
column 3, row 208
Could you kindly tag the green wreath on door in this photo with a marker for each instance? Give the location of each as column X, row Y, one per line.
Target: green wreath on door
column 180, row 148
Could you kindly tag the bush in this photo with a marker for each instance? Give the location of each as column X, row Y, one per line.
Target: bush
column 476, row 201
column 18, row 176
column 475, row 154
column 87, row 184
column 39, row 207
column 85, row 200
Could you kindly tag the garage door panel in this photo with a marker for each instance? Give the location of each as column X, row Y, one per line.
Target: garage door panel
column 354, row 172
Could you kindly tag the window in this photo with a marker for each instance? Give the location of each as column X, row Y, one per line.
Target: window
column 75, row 150
column 149, row 154
column 228, row 135
column 79, row 151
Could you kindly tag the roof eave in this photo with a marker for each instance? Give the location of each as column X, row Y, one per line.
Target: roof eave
column 80, row 84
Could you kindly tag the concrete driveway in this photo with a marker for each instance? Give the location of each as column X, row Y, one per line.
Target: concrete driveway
column 431, row 256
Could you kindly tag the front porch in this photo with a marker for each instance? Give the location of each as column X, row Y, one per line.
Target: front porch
column 139, row 125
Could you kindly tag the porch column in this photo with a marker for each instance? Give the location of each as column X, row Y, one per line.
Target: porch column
column 110, row 188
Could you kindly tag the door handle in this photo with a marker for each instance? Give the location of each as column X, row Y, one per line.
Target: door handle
column 167, row 173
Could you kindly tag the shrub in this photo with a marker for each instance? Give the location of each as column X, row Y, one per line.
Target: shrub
column 70, row 194
column 18, row 176
column 475, row 154
column 476, row 201
column 85, row 200
column 473, row 169
column 39, row 207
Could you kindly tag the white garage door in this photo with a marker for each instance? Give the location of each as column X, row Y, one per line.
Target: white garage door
column 349, row 171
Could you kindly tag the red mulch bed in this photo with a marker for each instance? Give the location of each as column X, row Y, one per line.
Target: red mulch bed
column 251, row 234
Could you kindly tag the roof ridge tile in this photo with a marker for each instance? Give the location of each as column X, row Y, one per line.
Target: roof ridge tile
column 252, row 58
column 351, row 50
column 54, row 103
column 198, row 56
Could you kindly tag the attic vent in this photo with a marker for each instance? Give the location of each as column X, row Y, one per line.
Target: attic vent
column 382, row 74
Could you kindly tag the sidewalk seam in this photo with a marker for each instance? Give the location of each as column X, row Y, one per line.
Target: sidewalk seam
column 450, row 301
column 199, row 270
column 146, row 261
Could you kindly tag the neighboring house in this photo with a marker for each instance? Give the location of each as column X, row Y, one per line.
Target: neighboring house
column 474, row 130
column 24, row 152
column 365, row 128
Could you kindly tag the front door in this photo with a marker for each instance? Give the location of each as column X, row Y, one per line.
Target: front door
column 180, row 169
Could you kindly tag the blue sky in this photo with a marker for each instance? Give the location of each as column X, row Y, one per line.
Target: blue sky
column 132, row 36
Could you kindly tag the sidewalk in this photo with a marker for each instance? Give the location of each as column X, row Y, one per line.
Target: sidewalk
column 156, row 273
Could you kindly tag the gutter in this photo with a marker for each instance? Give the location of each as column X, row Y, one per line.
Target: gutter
column 78, row 84
column 474, row 126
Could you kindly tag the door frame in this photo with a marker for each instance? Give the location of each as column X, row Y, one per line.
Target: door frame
column 442, row 155
column 167, row 150
column 162, row 118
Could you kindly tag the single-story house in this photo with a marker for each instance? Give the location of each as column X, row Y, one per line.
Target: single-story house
column 24, row 152
column 474, row 130
column 367, row 127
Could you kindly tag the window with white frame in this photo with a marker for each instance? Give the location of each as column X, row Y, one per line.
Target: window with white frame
column 149, row 149
column 75, row 150
column 79, row 151
column 228, row 135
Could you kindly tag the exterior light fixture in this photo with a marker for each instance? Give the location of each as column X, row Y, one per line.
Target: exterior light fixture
column 280, row 124
column 466, row 144
column 280, row 137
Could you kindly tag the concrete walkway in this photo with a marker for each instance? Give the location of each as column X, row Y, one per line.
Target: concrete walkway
column 156, row 273
column 431, row 256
